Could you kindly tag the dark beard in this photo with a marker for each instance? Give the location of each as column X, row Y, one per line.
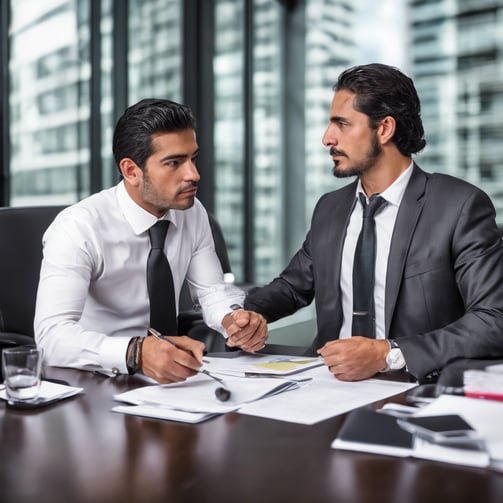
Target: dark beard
column 371, row 156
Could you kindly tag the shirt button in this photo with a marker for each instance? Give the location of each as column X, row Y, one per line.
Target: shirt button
column 116, row 371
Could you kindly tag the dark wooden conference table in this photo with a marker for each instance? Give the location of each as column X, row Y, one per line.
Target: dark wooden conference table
column 78, row 451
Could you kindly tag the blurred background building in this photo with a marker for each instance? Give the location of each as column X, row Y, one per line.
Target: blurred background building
column 456, row 55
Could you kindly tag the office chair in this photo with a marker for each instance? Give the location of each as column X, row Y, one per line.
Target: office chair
column 21, row 231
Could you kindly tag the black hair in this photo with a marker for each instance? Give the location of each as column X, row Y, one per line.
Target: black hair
column 381, row 91
column 135, row 129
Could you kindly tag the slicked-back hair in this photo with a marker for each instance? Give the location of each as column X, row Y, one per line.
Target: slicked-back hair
column 134, row 131
column 382, row 91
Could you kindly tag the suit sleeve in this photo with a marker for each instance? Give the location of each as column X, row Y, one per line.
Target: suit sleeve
column 477, row 258
column 292, row 290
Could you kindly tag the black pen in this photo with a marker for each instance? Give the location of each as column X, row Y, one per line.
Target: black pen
column 156, row 333
column 222, row 393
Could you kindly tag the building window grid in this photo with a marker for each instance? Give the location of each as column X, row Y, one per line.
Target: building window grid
column 475, row 54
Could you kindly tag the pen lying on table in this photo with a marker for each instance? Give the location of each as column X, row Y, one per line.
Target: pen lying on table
column 222, row 392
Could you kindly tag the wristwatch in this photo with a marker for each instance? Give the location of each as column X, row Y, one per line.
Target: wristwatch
column 394, row 358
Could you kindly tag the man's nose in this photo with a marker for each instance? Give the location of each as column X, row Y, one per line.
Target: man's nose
column 329, row 137
column 192, row 172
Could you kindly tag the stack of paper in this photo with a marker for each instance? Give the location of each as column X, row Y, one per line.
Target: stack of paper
column 251, row 365
column 257, row 383
column 194, row 400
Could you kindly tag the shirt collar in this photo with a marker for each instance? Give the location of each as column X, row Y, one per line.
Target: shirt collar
column 394, row 193
column 139, row 219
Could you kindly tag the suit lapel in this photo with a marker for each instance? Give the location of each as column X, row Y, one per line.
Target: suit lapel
column 337, row 214
column 406, row 221
column 340, row 225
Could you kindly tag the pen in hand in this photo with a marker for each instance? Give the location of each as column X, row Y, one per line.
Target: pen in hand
column 222, row 392
column 156, row 333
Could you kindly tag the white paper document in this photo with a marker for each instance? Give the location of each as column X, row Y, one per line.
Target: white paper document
column 323, row 397
column 197, row 394
column 313, row 394
column 157, row 412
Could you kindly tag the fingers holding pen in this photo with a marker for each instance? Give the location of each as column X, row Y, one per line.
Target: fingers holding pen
column 192, row 348
column 166, row 362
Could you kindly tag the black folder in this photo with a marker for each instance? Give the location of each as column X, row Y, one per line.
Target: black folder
column 369, row 431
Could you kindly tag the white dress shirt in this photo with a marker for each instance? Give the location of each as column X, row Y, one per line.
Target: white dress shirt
column 384, row 224
column 92, row 296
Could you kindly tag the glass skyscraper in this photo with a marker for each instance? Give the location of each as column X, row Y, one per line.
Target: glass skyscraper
column 457, row 64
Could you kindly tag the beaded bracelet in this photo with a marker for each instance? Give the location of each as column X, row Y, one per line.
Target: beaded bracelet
column 133, row 362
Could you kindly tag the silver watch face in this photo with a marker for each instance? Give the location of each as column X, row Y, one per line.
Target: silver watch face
column 395, row 359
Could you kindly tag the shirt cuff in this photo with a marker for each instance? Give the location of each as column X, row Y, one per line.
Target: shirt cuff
column 218, row 302
column 113, row 354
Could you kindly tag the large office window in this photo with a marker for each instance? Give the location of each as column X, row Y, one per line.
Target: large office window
column 267, row 140
column 248, row 136
column 49, row 106
column 155, row 49
column 229, row 128
column 259, row 74
column 273, row 68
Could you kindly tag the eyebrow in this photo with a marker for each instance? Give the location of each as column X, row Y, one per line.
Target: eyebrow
column 338, row 118
column 179, row 156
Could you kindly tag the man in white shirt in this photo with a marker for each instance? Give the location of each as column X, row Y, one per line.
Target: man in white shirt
column 93, row 307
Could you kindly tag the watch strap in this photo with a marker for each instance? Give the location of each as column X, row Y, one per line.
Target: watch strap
column 393, row 344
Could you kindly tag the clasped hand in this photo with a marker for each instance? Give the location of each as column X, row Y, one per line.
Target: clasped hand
column 246, row 330
column 355, row 358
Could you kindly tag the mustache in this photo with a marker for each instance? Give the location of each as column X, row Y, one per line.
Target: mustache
column 334, row 151
column 189, row 185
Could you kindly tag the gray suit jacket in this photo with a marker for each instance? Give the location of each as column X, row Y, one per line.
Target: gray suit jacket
column 444, row 285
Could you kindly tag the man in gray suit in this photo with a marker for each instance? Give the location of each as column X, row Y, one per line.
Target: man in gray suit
column 438, row 289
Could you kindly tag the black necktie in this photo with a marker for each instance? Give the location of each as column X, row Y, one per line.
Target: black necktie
column 364, row 269
column 160, row 287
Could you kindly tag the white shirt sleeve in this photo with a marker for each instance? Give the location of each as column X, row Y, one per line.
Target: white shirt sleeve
column 68, row 265
column 205, row 278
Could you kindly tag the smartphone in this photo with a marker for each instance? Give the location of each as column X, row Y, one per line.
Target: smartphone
column 450, row 428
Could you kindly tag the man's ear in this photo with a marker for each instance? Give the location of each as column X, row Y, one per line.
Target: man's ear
column 386, row 129
column 131, row 172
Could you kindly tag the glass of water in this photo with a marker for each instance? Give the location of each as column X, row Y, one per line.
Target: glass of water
column 21, row 370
